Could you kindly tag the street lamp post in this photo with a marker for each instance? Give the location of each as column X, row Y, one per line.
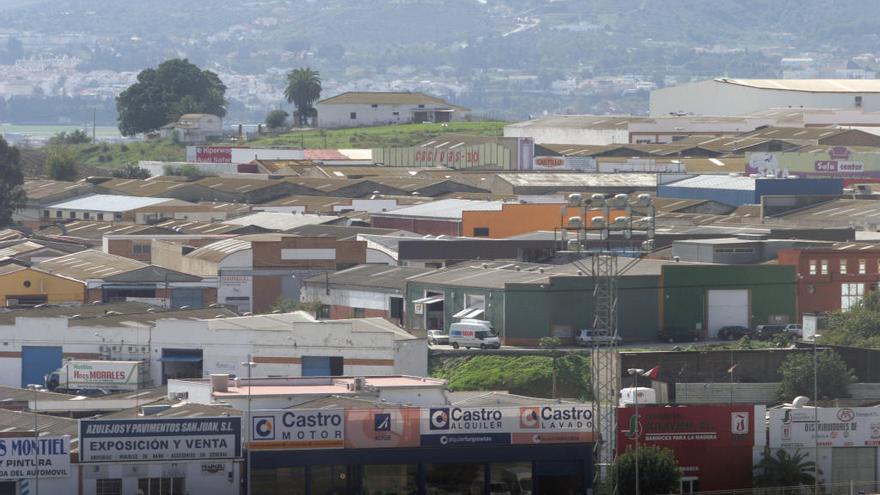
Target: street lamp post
column 250, row 365
column 816, row 414
column 35, row 388
column 635, row 372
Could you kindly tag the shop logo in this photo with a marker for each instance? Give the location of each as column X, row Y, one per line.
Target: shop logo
column 839, row 153
column 635, row 429
column 382, row 421
column 739, row 423
column 264, row 428
column 439, row 417
column 846, row 414
column 529, row 417
column 875, row 430
column 213, row 468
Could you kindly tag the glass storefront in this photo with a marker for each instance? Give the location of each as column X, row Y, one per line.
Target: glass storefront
column 455, row 479
column 280, row 481
column 514, row 478
column 390, row 479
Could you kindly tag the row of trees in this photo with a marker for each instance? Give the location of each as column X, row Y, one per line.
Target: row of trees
column 177, row 87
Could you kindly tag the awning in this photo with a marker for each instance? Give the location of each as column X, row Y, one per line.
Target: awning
column 181, row 359
column 471, row 312
column 429, row 300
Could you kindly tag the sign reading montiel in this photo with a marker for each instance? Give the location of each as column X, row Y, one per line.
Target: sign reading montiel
column 126, row 440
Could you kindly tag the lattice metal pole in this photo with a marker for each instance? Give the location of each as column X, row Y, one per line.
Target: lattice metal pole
column 605, row 367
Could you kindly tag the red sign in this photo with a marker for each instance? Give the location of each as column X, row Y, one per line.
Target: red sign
column 213, row 154
column 712, row 443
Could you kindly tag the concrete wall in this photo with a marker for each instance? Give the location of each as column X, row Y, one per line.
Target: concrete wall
column 335, row 115
column 226, row 482
column 725, row 393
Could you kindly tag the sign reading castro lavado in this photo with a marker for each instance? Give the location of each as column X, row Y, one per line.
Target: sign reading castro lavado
column 125, row 440
column 449, row 425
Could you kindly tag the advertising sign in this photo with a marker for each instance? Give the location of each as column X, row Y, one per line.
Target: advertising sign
column 583, row 163
column 380, row 428
column 838, row 161
column 712, row 443
column 127, row 440
column 209, row 154
column 449, row 425
column 837, row 427
column 18, row 457
column 298, row 429
column 102, row 374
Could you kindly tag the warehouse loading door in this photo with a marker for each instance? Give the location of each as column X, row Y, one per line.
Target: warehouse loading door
column 726, row 308
column 191, row 298
column 856, row 464
column 37, row 362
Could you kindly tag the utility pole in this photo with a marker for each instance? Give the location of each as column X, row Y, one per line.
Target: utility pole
column 250, row 365
column 94, row 121
column 635, row 372
column 35, row 388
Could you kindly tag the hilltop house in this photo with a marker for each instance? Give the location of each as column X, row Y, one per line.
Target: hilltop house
column 355, row 109
column 193, row 128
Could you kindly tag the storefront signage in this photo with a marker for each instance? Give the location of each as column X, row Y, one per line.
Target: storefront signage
column 504, row 425
column 837, row 162
column 380, row 428
column 582, row 163
column 298, row 429
column 128, row 440
column 209, row 154
column 28, row 457
column 837, row 427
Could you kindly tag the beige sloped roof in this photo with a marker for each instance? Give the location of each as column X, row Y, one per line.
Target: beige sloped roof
column 387, row 98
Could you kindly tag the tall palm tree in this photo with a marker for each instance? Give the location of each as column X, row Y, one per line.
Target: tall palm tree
column 303, row 90
column 785, row 470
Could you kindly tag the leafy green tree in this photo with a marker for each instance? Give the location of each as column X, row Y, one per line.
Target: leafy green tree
column 61, row 163
column 188, row 170
column 76, row 137
column 12, row 195
column 833, row 377
column 859, row 327
column 785, row 470
column 658, row 471
column 276, row 119
column 303, row 90
column 163, row 94
column 131, row 171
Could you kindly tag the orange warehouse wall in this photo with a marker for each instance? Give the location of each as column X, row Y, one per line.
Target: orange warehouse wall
column 515, row 219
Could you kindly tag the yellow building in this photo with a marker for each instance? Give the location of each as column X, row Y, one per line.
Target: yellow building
column 22, row 286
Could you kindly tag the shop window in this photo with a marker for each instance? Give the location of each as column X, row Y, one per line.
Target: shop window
column 329, row 479
column 111, row 486
column 843, row 267
column 863, row 267
column 455, row 478
column 280, row 481
column 71, row 214
column 162, row 486
column 353, row 115
column 511, row 477
column 117, row 216
column 87, row 215
column 324, row 312
column 322, row 366
column 395, row 113
column 100, row 216
column 140, row 248
column 358, row 312
column 45, row 213
column 374, row 106
column 812, row 267
column 824, row 267
column 59, row 214
column 390, row 478
column 850, row 295
column 481, row 231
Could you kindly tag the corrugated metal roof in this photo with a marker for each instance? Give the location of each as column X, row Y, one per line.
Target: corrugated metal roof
column 738, row 183
column 371, row 276
column 387, row 98
column 583, row 122
column 89, row 264
column 445, row 208
column 109, row 202
column 633, row 180
column 810, row 85
column 280, row 221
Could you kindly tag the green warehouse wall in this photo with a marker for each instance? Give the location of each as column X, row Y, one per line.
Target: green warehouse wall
column 772, row 292
column 454, row 302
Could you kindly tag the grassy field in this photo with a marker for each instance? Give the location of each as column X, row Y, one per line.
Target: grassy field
column 105, row 155
column 525, row 375
column 378, row 137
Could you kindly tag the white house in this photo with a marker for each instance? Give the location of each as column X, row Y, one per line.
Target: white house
column 194, row 128
column 725, row 96
column 357, row 109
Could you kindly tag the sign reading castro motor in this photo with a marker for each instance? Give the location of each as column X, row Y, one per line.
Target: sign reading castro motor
column 18, row 456
column 449, row 425
column 298, row 429
column 127, row 440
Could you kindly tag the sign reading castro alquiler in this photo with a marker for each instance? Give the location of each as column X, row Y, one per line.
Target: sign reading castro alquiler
column 129, row 440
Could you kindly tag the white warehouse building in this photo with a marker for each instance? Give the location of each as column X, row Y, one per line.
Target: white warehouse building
column 288, row 344
column 359, row 109
column 726, row 96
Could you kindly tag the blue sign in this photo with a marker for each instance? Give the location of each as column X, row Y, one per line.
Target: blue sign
column 129, row 440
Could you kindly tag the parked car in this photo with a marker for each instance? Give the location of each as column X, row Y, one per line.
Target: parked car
column 766, row 332
column 437, row 337
column 589, row 337
column 678, row 334
column 794, row 330
column 734, row 332
column 473, row 333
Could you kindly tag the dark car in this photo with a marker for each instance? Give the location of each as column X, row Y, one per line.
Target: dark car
column 678, row 334
column 734, row 332
column 767, row 332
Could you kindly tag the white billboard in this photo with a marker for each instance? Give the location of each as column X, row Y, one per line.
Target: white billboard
column 114, row 375
column 837, row 427
column 162, row 439
column 28, row 457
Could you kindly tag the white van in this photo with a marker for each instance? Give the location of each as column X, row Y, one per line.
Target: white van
column 473, row 333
